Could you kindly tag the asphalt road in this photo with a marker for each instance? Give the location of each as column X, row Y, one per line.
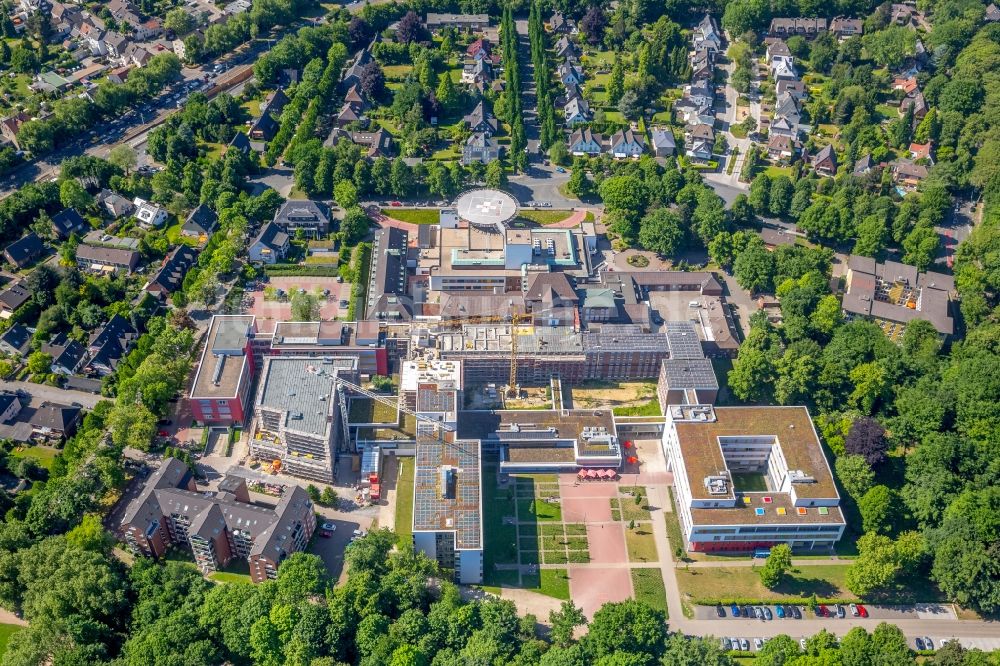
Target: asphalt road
column 41, row 392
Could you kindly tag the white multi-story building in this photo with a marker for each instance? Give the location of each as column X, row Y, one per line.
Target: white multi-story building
column 751, row 477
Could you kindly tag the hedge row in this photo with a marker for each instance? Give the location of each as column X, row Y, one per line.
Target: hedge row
column 305, row 270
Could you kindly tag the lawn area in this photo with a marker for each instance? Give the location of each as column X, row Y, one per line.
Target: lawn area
column 649, row 408
column 43, row 455
column 641, row 544
column 614, row 116
column 404, row 501
column 738, row 131
column 214, row 150
column 252, row 107
column 750, row 483
column 538, row 509
column 396, row 72
column 6, row 631
column 500, row 538
column 414, row 215
column 366, row 410
column 628, row 508
column 238, row 571
column 674, row 535
column 743, row 583
column 649, row 588
column 450, row 152
column 551, row 582
column 775, row 171
column 545, row 216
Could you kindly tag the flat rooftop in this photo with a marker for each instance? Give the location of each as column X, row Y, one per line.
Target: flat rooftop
column 501, row 424
column 223, row 359
column 486, row 207
column 302, row 389
column 445, row 374
column 690, row 373
column 461, row 513
column 791, row 427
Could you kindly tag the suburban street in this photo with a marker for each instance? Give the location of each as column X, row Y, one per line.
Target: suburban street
column 43, row 392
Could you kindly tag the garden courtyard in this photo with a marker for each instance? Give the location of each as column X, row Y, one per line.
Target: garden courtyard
column 552, row 534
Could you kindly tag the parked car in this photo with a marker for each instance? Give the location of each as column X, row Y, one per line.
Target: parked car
column 735, row 642
column 796, row 612
column 747, row 611
column 758, row 613
column 735, row 610
column 327, row 530
column 767, row 613
column 840, row 611
column 744, row 645
column 758, row 643
column 919, row 642
column 862, row 611
column 725, row 644
column 802, row 643
column 779, row 611
column 822, row 611
column 720, row 611
column 928, row 643
column 854, row 610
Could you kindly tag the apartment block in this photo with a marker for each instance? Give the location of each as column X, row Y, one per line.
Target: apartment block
column 220, row 393
column 217, row 527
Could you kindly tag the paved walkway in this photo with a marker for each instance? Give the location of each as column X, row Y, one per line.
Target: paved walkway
column 574, row 220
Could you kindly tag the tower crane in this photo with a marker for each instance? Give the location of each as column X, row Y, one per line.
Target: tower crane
column 511, row 390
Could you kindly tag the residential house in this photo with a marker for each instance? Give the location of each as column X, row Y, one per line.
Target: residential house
column 479, row 49
column 149, row 214
column 200, row 222
column 694, row 111
column 585, row 142
column 560, row 24
column 240, row 142
column 478, row 73
column 626, row 144
column 109, row 344
column 68, row 222
column 170, row 275
column 782, row 126
column 864, row 165
column 566, row 49
column 707, row 35
column 807, row 27
column 67, row 354
column 16, row 341
column 907, row 175
column 270, row 245
column 353, row 74
column 309, row 216
column 908, row 85
column 777, row 49
column 794, row 87
column 467, row 22
column 664, row 144
column 12, row 298
column 784, row 68
column 378, row 143
column 572, row 91
column 576, row 111
column 348, row 114
column 570, row 73
column 846, row 27
column 700, row 141
column 115, row 204
column 24, row 250
column 702, row 65
column 825, row 161
column 136, row 55
column 780, row 148
column 922, row 151
column 11, row 125
column 119, row 75
column 10, row 406
column 94, row 259
column 992, row 14
column 114, row 45
column 52, row 421
column 902, row 14
column 263, row 127
column 481, row 120
column 480, row 147
column 917, row 103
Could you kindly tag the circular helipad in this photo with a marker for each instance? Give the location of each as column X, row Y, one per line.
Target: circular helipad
column 486, row 208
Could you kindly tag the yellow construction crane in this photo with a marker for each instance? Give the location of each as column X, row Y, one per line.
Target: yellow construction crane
column 514, row 319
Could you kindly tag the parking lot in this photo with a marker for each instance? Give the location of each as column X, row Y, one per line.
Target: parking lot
column 279, row 306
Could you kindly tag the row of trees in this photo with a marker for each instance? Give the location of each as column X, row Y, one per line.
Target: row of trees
column 544, row 93
column 512, row 112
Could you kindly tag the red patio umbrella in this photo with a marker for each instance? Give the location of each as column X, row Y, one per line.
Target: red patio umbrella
column 612, row 473
column 582, row 474
column 601, row 473
column 633, row 459
column 591, row 474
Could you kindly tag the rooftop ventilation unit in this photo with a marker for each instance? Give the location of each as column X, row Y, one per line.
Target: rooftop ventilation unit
column 717, row 485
